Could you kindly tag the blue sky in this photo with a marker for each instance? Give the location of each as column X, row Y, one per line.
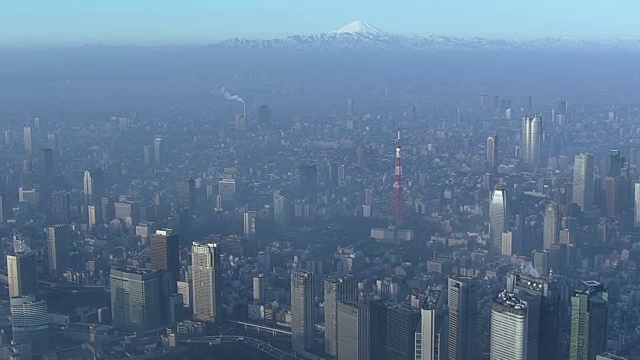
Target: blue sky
column 147, row 22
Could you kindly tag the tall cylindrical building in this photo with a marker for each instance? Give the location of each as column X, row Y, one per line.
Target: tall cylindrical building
column 509, row 321
column 29, row 323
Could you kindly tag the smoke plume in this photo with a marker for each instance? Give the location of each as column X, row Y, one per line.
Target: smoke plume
column 227, row 95
column 530, row 270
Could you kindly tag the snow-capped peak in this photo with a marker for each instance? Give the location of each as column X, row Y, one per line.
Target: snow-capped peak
column 357, row 26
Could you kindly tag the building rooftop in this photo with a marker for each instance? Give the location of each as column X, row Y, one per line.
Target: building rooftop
column 164, row 232
column 394, row 305
column 589, row 287
column 431, row 301
column 134, row 270
column 510, row 299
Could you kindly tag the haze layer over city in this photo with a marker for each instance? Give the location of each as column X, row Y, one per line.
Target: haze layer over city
column 320, row 180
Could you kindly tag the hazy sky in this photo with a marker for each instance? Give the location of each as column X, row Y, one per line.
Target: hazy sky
column 113, row 22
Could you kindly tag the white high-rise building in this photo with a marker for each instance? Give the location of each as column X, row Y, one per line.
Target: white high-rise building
column 281, row 211
column 498, row 219
column 157, row 150
column 509, row 322
column 250, row 218
column 551, row 226
column 509, row 245
column 58, row 239
column 29, row 323
column 22, row 274
column 303, row 314
column 93, row 218
column 28, row 139
column 259, row 286
column 207, row 284
column 531, row 140
column 636, row 204
column 583, row 181
column 430, row 334
column 492, row 150
column 94, row 187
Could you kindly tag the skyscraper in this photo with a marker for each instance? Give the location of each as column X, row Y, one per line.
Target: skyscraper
column 336, row 289
column 353, row 331
column 509, row 323
column 498, row 219
column 583, row 181
column 492, row 150
column 614, row 164
column 281, row 211
column 551, row 225
column 636, row 204
column 146, row 154
column 227, row 192
column 361, row 156
column 26, row 176
column 186, row 189
column 59, row 248
column 510, row 243
column 61, row 207
column 22, row 274
column 28, row 139
column 393, row 327
column 250, row 218
column 378, row 330
column 4, row 213
column 484, row 102
column 107, row 208
column 431, row 334
column 8, row 138
column 92, row 211
column 349, row 108
column 531, row 139
column 543, row 332
column 29, row 323
column 127, row 211
column 463, row 318
column 303, row 312
column 94, row 186
column 52, row 142
column 264, row 115
column 135, row 299
column 563, row 107
column 165, row 254
column 259, row 286
column 614, row 195
column 333, row 175
column 207, row 281
column 308, row 180
column 157, row 150
column 46, row 164
column 589, row 316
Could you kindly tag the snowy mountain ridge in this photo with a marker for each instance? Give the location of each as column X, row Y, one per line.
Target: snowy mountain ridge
column 360, row 35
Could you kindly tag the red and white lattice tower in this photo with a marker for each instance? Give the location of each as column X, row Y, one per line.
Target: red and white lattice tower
column 397, row 205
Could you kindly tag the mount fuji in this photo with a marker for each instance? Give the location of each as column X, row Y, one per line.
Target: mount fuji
column 357, row 27
column 360, row 36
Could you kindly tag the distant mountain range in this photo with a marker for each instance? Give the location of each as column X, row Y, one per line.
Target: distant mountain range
column 359, row 35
